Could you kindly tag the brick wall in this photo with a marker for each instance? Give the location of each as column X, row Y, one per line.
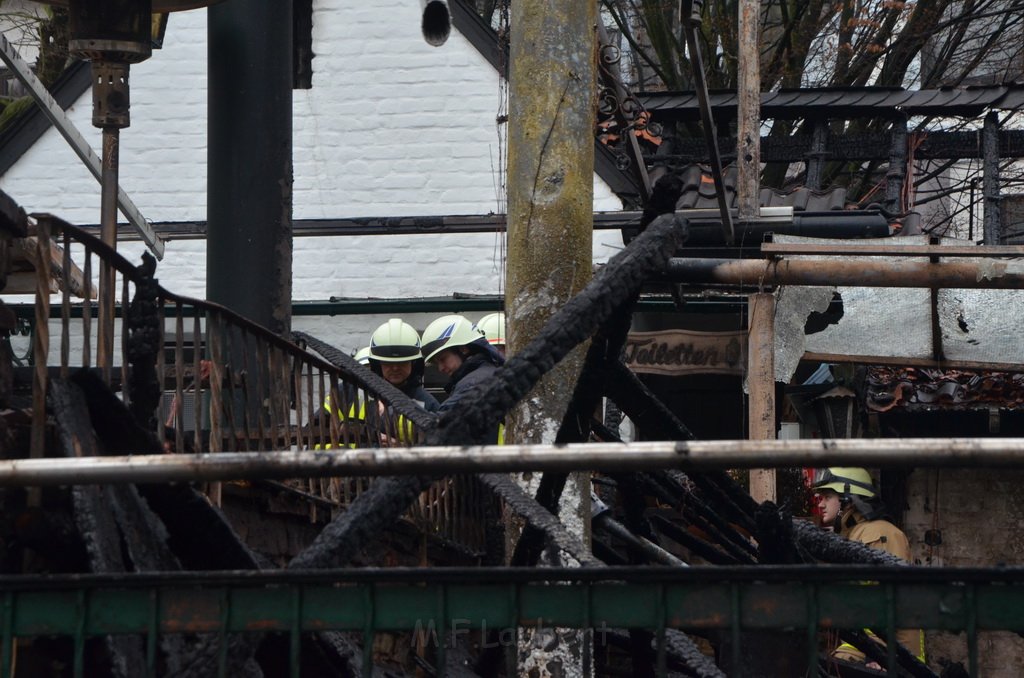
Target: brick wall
column 979, row 514
column 391, row 127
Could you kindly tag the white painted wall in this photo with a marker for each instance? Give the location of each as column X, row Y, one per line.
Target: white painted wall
column 391, row 127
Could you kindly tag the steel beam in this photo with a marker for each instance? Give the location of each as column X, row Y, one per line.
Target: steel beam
column 692, row 455
column 853, row 249
column 249, row 190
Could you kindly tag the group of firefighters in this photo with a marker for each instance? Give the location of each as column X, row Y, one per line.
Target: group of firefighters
column 469, row 354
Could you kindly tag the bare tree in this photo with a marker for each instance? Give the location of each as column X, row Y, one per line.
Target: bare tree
column 840, row 43
column 39, row 30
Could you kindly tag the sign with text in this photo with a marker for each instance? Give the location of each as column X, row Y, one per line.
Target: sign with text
column 676, row 352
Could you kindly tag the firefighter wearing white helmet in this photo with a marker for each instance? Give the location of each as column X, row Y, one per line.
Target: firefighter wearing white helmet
column 362, row 356
column 493, row 327
column 395, row 355
column 461, row 352
column 850, row 505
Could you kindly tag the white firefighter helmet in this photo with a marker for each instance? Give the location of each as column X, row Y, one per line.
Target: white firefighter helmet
column 493, row 327
column 395, row 342
column 449, row 331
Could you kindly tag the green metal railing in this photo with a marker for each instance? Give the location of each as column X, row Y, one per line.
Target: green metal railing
column 445, row 603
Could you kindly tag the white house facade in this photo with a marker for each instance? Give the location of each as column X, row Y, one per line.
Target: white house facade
column 390, row 127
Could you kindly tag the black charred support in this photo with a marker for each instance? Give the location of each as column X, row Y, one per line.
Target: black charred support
column 690, row 656
column 908, row 664
column 95, row 517
column 831, row 548
column 540, row 517
column 672, row 488
column 388, row 497
column 681, row 653
column 817, row 153
column 990, row 179
column 697, row 546
column 644, row 549
column 164, row 526
column 603, row 353
column 650, row 414
column 145, row 341
column 896, row 175
column 249, row 240
column 345, row 651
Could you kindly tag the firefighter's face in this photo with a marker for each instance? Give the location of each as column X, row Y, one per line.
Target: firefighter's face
column 396, row 373
column 828, row 504
column 448, row 361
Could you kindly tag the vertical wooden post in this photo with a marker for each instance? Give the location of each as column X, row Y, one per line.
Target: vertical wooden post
column 748, row 132
column 896, row 175
column 761, row 385
column 40, row 353
column 816, row 158
column 552, row 97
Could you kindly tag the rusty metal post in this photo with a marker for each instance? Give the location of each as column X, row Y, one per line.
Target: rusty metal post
column 748, row 132
column 1002, row 453
column 552, row 93
column 108, row 234
column 850, row 271
column 761, row 385
column 990, row 179
column 40, row 350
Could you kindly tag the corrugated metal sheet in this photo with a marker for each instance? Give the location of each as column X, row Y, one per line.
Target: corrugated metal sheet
column 980, row 326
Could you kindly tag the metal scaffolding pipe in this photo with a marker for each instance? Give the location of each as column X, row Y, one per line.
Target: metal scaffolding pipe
column 692, row 455
column 850, row 272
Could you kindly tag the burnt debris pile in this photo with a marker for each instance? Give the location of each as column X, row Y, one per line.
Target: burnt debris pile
column 653, row 518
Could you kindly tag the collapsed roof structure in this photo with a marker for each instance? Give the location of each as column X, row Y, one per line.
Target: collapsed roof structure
column 687, row 573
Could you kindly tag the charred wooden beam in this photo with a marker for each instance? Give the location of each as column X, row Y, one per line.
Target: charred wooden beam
column 94, row 514
column 990, row 179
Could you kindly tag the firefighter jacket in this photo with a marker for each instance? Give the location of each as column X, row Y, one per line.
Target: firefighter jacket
column 476, row 369
column 884, row 536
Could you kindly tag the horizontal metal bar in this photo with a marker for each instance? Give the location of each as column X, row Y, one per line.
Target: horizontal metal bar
column 897, row 361
column 849, row 271
column 894, row 250
column 817, row 573
column 696, row 455
column 501, row 598
column 475, row 304
column 419, row 225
